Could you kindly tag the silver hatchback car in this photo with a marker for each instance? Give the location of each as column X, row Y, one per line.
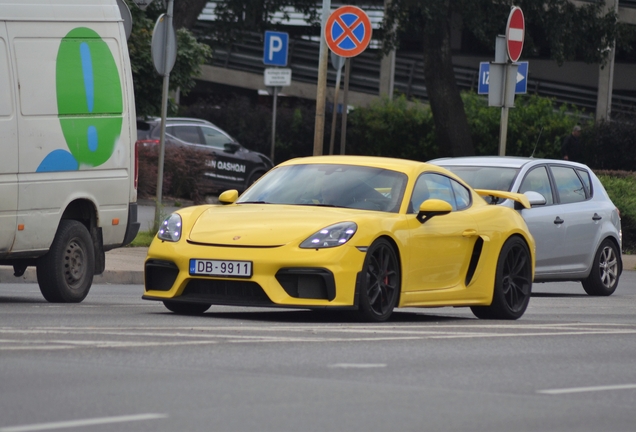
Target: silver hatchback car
column 576, row 226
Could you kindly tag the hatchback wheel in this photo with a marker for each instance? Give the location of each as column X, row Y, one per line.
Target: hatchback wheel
column 603, row 278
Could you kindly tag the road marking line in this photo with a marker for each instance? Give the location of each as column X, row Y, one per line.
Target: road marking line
column 586, row 389
column 81, row 423
column 357, row 365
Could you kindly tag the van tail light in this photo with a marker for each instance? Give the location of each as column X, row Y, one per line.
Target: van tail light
column 619, row 212
column 136, row 164
column 147, row 142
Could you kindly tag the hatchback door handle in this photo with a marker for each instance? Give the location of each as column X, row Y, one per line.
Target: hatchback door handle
column 597, row 217
column 558, row 221
column 470, row 233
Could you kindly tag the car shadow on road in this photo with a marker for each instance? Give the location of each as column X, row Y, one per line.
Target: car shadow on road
column 313, row 316
column 21, row 300
column 559, row 295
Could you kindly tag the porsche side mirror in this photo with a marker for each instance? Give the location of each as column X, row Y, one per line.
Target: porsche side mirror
column 433, row 207
column 229, row 196
column 535, row 198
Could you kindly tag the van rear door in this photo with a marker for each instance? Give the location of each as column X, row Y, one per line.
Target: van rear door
column 9, row 148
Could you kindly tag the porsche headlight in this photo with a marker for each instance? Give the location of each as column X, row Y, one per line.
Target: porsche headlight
column 331, row 236
column 170, row 229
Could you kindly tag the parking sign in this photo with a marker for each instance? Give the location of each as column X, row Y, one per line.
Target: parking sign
column 275, row 48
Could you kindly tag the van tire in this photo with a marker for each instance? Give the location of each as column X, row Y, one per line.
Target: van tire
column 65, row 273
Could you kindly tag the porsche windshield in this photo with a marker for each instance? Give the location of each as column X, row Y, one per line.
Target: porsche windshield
column 330, row 185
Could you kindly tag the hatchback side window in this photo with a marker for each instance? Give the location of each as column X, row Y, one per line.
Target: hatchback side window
column 189, row 134
column 568, row 185
column 585, row 176
column 537, row 180
column 215, row 138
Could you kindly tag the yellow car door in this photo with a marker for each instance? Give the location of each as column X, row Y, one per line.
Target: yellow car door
column 439, row 248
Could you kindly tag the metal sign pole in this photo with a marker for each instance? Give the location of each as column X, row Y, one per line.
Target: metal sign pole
column 274, row 123
column 503, row 124
column 319, row 130
column 164, row 112
column 345, row 101
column 337, row 62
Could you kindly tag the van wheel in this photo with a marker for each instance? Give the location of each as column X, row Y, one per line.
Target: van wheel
column 65, row 273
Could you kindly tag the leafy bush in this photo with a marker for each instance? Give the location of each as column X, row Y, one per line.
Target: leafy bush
column 392, row 128
column 621, row 187
column 183, row 173
column 536, row 126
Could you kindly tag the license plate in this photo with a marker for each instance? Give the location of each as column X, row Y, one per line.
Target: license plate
column 220, row 268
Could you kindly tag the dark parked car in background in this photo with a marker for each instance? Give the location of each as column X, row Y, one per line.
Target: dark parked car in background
column 574, row 222
column 231, row 166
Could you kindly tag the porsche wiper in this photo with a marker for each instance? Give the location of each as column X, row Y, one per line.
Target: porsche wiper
column 253, row 202
column 318, row 205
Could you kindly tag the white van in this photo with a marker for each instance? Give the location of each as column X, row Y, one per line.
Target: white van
column 67, row 134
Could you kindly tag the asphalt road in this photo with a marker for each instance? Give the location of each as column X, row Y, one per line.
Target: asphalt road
column 118, row 363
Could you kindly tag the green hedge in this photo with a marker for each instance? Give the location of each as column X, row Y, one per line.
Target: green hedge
column 621, row 187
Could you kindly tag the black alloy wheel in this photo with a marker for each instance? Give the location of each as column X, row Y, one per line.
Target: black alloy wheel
column 381, row 273
column 513, row 283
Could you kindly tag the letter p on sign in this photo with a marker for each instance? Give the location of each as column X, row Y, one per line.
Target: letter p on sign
column 275, row 48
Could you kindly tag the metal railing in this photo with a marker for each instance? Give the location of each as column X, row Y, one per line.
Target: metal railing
column 247, row 56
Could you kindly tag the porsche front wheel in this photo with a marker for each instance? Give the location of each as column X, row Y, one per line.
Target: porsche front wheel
column 513, row 283
column 382, row 281
column 183, row 308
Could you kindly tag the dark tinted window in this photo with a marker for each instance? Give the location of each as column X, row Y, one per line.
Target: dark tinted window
column 214, row 137
column 537, row 180
column 188, row 134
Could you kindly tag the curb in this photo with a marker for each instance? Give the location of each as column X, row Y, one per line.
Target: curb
column 113, row 277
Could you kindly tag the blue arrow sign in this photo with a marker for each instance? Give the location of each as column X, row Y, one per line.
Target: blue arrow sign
column 522, row 78
column 275, row 48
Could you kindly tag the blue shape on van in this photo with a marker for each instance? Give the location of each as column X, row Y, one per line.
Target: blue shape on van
column 92, row 138
column 87, row 69
column 58, row 160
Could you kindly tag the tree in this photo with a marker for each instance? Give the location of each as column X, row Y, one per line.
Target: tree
column 147, row 82
column 556, row 28
column 186, row 12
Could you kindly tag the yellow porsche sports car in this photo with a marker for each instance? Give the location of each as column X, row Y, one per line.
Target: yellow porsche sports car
column 347, row 232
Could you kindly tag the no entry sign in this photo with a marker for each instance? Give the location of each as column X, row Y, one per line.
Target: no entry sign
column 348, row 31
column 515, row 33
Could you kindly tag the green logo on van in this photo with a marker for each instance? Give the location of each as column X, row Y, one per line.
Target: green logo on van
column 89, row 102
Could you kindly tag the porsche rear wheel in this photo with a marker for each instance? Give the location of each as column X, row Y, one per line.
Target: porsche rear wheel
column 603, row 278
column 382, row 281
column 183, row 308
column 513, row 283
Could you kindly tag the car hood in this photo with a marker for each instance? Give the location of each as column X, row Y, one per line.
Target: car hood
column 266, row 225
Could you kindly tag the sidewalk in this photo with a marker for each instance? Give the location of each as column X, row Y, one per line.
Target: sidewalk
column 123, row 266
column 126, row 266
